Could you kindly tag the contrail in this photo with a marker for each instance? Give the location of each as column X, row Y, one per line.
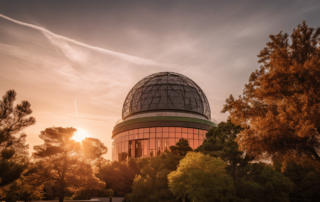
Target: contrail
column 75, row 103
column 130, row 58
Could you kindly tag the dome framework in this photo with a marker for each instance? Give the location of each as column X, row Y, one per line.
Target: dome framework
column 166, row 91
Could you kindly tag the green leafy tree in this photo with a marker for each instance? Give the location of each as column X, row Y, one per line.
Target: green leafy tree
column 306, row 182
column 118, row 176
column 261, row 183
column 151, row 185
column 13, row 150
column 280, row 106
column 202, row 178
column 181, row 148
column 65, row 162
column 221, row 143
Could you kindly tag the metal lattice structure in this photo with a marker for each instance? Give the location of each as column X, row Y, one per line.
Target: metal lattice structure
column 166, row 91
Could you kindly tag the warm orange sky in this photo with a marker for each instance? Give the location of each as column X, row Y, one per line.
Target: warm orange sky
column 53, row 53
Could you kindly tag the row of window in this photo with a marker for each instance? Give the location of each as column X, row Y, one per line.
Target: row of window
column 149, row 143
column 160, row 132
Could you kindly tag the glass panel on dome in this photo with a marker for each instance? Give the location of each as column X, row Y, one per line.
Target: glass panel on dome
column 196, row 136
column 178, row 135
column 172, row 129
column 140, row 135
column 146, row 147
column 152, row 144
column 178, row 130
column 184, row 130
column 165, row 129
column 159, row 129
column 172, row 142
column 190, row 135
column 158, row 134
column 184, row 135
column 146, row 130
column 196, row 143
column 195, row 131
column 172, row 135
column 140, row 130
column 165, row 144
column 152, row 130
column 191, row 143
column 190, row 130
column 152, row 135
column 165, row 134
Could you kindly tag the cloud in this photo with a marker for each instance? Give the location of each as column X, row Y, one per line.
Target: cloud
column 62, row 43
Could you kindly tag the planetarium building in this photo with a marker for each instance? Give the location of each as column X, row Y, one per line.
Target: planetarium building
column 158, row 111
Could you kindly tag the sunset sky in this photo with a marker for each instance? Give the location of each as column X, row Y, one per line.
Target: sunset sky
column 56, row 53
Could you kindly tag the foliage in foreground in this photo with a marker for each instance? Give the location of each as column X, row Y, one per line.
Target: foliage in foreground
column 280, row 106
column 152, row 183
column 181, row 148
column 261, row 183
column 118, row 176
column 202, row 178
column 252, row 180
column 221, row 143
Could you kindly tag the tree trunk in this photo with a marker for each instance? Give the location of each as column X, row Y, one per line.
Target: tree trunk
column 61, row 194
column 184, row 198
column 234, row 174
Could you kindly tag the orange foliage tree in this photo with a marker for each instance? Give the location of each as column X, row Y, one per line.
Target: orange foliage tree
column 280, row 106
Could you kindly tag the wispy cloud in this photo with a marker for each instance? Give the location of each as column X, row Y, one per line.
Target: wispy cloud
column 61, row 42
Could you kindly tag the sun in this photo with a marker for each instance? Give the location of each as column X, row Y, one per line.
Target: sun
column 80, row 135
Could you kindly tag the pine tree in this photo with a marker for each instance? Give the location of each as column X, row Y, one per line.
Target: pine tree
column 13, row 147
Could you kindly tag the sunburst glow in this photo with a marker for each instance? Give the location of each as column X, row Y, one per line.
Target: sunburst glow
column 80, row 135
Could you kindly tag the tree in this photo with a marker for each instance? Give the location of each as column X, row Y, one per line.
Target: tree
column 151, row 185
column 202, row 178
column 306, row 182
column 280, row 106
column 13, row 150
column 118, row 176
column 182, row 147
column 65, row 162
column 221, row 143
column 261, row 183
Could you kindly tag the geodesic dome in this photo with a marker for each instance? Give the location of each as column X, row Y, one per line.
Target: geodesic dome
column 166, row 91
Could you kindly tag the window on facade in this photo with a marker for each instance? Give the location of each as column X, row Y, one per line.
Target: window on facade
column 152, row 141
column 158, row 134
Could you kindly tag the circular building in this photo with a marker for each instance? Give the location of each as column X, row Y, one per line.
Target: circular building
column 158, row 111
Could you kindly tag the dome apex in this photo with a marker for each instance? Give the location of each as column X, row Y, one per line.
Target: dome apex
column 166, row 91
